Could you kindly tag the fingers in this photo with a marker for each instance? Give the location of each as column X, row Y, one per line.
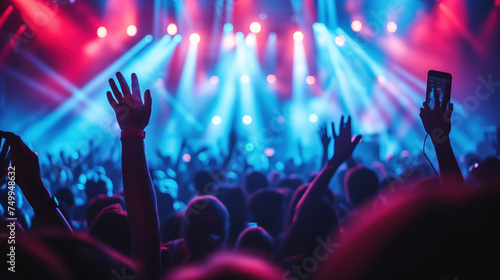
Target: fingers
column 123, row 84
column 116, row 91
column 348, row 126
column 355, row 142
column 333, row 131
column 136, row 90
column 148, row 100
column 111, row 100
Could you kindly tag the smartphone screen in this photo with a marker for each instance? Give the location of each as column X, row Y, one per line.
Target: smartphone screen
column 438, row 88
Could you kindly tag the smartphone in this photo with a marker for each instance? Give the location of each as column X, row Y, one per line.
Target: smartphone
column 438, row 88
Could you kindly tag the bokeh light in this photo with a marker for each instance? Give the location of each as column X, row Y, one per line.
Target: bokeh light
column 340, row 40
column 310, row 80
column 172, row 29
column 246, row 119
column 216, row 120
column 245, row 79
column 131, row 30
column 194, row 38
column 271, row 78
column 214, row 80
column 255, row 27
column 392, row 27
column 102, row 32
column 298, row 36
column 356, row 25
column 313, row 118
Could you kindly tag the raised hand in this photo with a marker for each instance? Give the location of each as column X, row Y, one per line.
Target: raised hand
column 131, row 112
column 437, row 121
column 343, row 143
column 323, row 136
column 27, row 177
column 4, row 161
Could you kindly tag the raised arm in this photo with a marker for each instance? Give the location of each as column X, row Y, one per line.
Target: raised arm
column 133, row 116
column 25, row 171
column 437, row 123
column 325, row 141
column 306, row 208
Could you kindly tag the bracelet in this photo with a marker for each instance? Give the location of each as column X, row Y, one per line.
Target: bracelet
column 47, row 207
column 133, row 132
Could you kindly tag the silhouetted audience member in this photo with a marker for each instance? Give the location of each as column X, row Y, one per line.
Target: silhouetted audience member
column 361, row 185
column 267, row 208
column 255, row 240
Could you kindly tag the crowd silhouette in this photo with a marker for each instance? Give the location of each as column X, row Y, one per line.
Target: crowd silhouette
column 129, row 220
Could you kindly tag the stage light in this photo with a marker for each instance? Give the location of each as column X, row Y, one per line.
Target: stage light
column 131, row 30
column 186, row 157
column 194, row 38
column 392, row 26
column 102, row 32
column 229, row 41
column 340, row 40
column 228, row 27
column 245, row 79
column 356, row 25
column 280, row 166
column 298, row 36
column 269, row 152
column 381, row 79
column 280, row 119
column 246, row 119
column 249, row 147
column 271, row 78
column 172, row 29
column 313, row 118
column 214, row 80
column 216, row 120
column 310, row 80
column 255, row 27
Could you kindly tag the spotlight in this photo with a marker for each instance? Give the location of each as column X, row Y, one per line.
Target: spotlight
column 271, row 78
column 186, row 157
column 172, row 29
column 249, row 147
column 246, row 119
column 245, row 79
column 269, row 152
column 313, row 118
column 228, row 27
column 255, row 27
column 310, row 80
column 102, row 32
column 216, row 120
column 340, row 40
column 392, row 26
column 214, row 80
column 298, row 36
column 381, row 79
column 131, row 30
column 356, row 25
column 194, row 38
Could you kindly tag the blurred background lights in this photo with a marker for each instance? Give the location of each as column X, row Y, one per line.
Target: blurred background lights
column 246, row 119
column 102, row 32
column 194, row 38
column 131, row 30
column 216, row 120
column 172, row 29
column 313, row 118
column 356, row 25
column 298, row 36
column 392, row 26
column 255, row 27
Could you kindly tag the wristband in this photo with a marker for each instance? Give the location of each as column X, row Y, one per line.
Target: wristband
column 133, row 132
column 47, row 207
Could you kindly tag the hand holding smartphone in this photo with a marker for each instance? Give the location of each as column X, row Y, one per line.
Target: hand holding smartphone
column 438, row 89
